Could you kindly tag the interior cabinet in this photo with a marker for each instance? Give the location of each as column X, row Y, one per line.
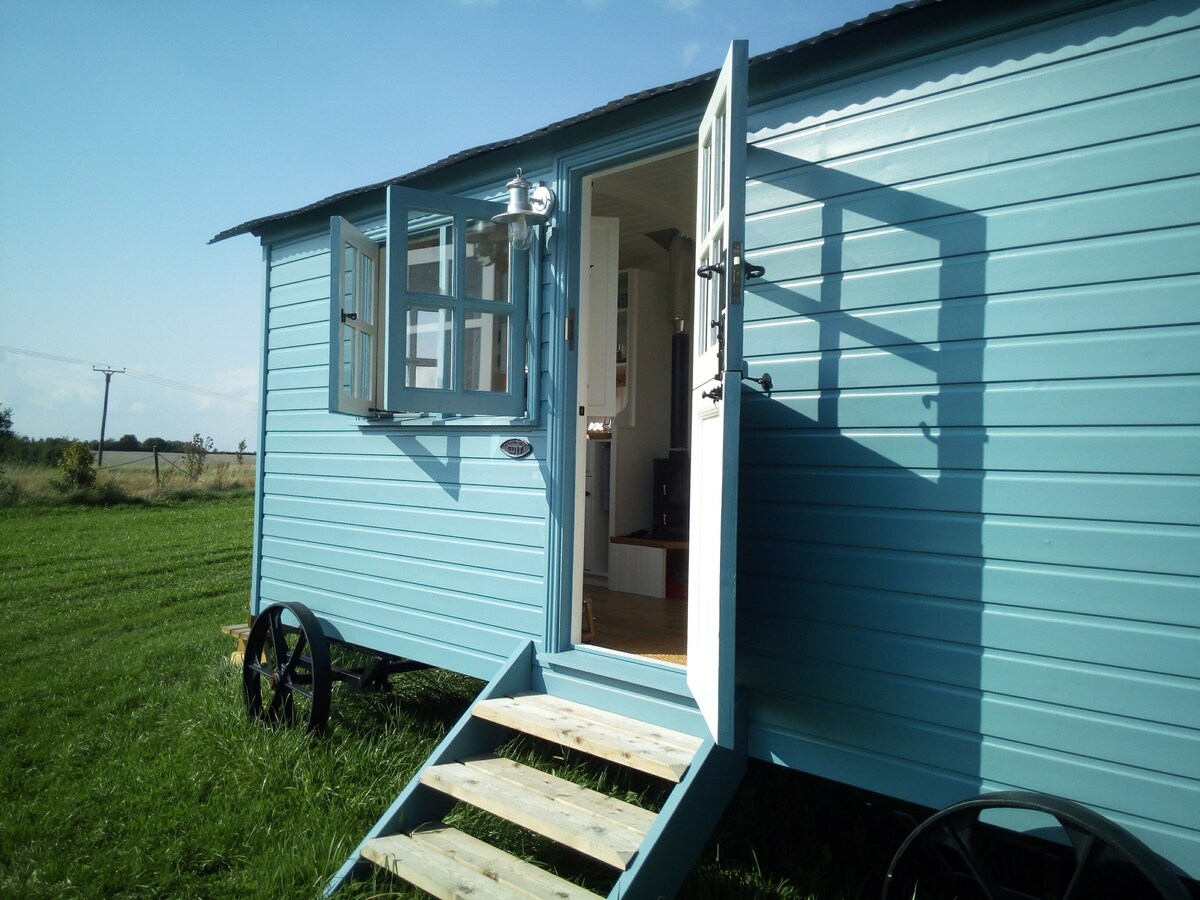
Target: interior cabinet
column 642, row 378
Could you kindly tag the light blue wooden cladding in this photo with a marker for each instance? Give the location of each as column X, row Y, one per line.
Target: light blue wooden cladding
column 1112, row 401
column 1151, row 451
column 970, row 520
column 1165, row 549
column 1161, row 499
column 1138, row 304
column 468, row 526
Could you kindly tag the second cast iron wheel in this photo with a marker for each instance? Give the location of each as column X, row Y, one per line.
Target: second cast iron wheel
column 286, row 677
column 1105, row 859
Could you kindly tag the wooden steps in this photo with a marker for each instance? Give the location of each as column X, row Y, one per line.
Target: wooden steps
column 447, row 863
column 638, row 745
column 602, row 827
column 241, row 631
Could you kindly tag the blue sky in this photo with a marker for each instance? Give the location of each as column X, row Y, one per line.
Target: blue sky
column 132, row 131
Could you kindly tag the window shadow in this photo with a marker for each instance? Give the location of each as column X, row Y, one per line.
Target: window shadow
column 860, row 539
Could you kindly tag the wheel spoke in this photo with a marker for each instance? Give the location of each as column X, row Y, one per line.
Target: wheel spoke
column 1086, row 847
column 255, row 666
column 296, row 656
column 960, row 830
column 278, row 639
column 278, row 699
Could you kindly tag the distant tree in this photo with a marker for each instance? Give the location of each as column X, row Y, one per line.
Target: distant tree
column 76, row 468
column 128, row 442
column 194, row 453
column 153, row 443
column 241, row 450
column 9, row 440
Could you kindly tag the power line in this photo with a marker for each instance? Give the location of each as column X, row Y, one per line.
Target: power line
column 134, row 373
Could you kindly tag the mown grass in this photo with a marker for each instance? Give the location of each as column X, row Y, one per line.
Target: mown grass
column 127, row 767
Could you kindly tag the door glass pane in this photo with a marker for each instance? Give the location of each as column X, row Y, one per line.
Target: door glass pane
column 430, row 252
column 718, row 182
column 485, row 356
column 487, row 261
column 710, row 299
column 430, row 337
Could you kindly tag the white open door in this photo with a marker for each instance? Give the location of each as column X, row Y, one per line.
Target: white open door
column 716, row 397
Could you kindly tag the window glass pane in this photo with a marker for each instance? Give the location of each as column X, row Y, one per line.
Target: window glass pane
column 487, row 261
column 350, row 280
column 366, row 290
column 430, row 252
column 347, row 359
column 366, row 367
column 485, row 356
column 430, row 335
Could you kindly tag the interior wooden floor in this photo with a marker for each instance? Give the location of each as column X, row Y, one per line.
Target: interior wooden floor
column 643, row 626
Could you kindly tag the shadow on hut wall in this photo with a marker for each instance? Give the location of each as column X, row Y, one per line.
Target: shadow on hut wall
column 860, row 540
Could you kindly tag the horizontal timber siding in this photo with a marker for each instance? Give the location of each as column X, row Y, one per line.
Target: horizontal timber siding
column 969, row 553
column 427, row 544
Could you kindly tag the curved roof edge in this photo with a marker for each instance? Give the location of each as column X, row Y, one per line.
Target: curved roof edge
column 254, row 225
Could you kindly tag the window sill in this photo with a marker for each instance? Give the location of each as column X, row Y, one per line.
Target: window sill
column 441, row 421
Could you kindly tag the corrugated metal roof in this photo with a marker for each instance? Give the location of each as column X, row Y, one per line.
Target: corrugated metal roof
column 254, row 225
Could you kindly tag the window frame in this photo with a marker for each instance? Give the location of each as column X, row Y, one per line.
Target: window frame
column 342, row 235
column 394, row 403
column 452, row 300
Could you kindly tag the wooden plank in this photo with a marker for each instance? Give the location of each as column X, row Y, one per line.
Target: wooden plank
column 444, row 862
column 638, row 745
column 431, row 871
column 496, row 864
column 576, row 817
column 650, row 542
column 626, row 814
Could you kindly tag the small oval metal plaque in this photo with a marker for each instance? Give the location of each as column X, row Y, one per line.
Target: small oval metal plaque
column 517, row 448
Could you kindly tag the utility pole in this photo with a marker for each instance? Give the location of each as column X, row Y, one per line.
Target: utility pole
column 108, row 374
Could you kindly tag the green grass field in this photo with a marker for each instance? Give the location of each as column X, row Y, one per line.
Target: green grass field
column 128, row 768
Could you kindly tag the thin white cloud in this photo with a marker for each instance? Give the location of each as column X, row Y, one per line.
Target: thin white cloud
column 685, row 6
column 690, row 52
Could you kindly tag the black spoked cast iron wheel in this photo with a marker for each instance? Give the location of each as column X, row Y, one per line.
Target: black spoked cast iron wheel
column 953, row 854
column 285, row 674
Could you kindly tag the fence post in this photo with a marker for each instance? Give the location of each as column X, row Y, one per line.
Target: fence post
column 156, row 481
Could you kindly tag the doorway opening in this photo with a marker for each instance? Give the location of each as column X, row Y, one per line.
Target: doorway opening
column 632, row 490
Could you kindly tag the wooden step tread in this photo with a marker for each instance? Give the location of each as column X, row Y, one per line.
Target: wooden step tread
column 447, row 863
column 638, row 745
column 595, row 824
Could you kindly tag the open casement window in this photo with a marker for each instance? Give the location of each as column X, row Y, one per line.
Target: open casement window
column 456, row 308
column 354, row 320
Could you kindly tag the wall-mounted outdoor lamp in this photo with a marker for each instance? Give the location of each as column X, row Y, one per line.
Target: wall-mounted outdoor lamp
column 525, row 209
